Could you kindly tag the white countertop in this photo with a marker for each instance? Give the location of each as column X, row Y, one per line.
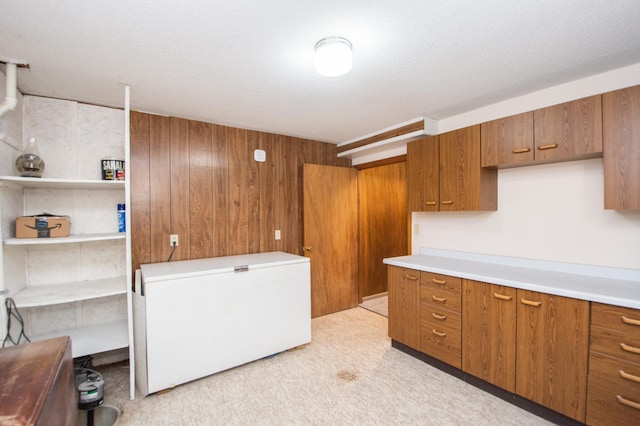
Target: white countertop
column 614, row 286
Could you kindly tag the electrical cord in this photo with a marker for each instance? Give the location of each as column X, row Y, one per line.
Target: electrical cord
column 12, row 311
column 173, row 249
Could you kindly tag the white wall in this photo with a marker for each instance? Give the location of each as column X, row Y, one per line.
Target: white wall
column 550, row 212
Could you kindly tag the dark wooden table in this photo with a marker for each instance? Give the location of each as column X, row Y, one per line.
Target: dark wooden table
column 37, row 384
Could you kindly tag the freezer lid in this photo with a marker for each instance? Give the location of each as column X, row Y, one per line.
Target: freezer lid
column 155, row 272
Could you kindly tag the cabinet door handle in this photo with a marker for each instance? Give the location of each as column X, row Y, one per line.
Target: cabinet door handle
column 550, row 146
column 629, row 376
column 631, row 349
column 502, row 296
column 439, row 282
column 439, row 299
column 530, row 302
column 628, row 403
column 430, row 203
column 411, row 277
column 630, row 320
column 438, row 317
column 446, row 202
column 520, row 150
column 438, row 333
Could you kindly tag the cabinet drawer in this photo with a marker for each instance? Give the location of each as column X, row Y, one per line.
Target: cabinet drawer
column 434, row 317
column 625, row 374
column 443, row 283
column 611, row 399
column 441, row 290
column 441, row 339
column 615, row 343
column 625, row 320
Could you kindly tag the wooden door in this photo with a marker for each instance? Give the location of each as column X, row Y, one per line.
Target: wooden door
column 404, row 305
column 383, row 223
column 330, row 220
column 569, row 130
column 489, row 333
column 423, row 175
column 552, row 351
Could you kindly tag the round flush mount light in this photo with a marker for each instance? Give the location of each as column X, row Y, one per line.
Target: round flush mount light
column 333, row 56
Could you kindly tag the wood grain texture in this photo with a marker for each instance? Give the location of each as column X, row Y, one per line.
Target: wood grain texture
column 423, row 175
column 464, row 185
column 552, row 352
column 383, row 224
column 500, row 138
column 220, row 200
column 331, row 230
column 408, row 128
column 140, row 190
column 201, row 206
column 383, row 162
column 160, row 186
column 489, row 333
column 179, row 196
column 404, row 305
column 621, row 140
column 37, row 386
column 576, row 127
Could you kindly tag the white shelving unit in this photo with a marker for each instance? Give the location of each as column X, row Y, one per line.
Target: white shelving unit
column 86, row 339
column 80, row 285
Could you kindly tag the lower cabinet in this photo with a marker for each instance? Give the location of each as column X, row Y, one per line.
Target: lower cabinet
column 552, row 351
column 489, row 333
column 614, row 366
column 404, row 305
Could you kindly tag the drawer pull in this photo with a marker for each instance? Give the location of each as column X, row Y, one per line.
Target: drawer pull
column 550, row 146
column 628, row 403
column 520, row 150
column 439, row 299
column 630, row 320
column 629, row 376
column 411, row 277
column 430, row 203
column 438, row 333
column 502, row 296
column 447, row 202
column 530, row 302
column 439, row 282
column 438, row 317
column 628, row 348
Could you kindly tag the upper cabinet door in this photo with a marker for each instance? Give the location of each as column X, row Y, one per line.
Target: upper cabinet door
column 423, row 189
column 508, row 141
column 572, row 130
column 621, row 117
column 464, row 185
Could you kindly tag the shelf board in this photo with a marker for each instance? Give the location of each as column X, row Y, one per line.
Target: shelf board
column 93, row 339
column 79, row 238
column 45, row 295
column 49, row 183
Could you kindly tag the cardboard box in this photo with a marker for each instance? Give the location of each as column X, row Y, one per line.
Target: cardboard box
column 42, row 226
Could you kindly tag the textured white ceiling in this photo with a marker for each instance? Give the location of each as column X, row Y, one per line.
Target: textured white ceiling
column 249, row 63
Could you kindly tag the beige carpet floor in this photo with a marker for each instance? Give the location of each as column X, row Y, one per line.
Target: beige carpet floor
column 378, row 303
column 348, row 375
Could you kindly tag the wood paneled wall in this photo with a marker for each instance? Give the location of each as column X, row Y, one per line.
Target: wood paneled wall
column 383, row 223
column 200, row 181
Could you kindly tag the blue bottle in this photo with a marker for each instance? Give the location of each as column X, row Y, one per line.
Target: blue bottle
column 122, row 226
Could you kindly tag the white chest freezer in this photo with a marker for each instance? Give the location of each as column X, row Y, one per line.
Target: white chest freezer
column 194, row 318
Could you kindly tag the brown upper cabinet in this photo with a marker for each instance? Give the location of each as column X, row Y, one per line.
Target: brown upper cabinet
column 567, row 131
column 444, row 173
column 621, row 139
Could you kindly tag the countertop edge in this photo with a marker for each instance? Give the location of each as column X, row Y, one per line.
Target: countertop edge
column 623, row 292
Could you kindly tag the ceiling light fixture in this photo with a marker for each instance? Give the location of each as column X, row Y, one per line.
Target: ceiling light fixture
column 333, row 56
